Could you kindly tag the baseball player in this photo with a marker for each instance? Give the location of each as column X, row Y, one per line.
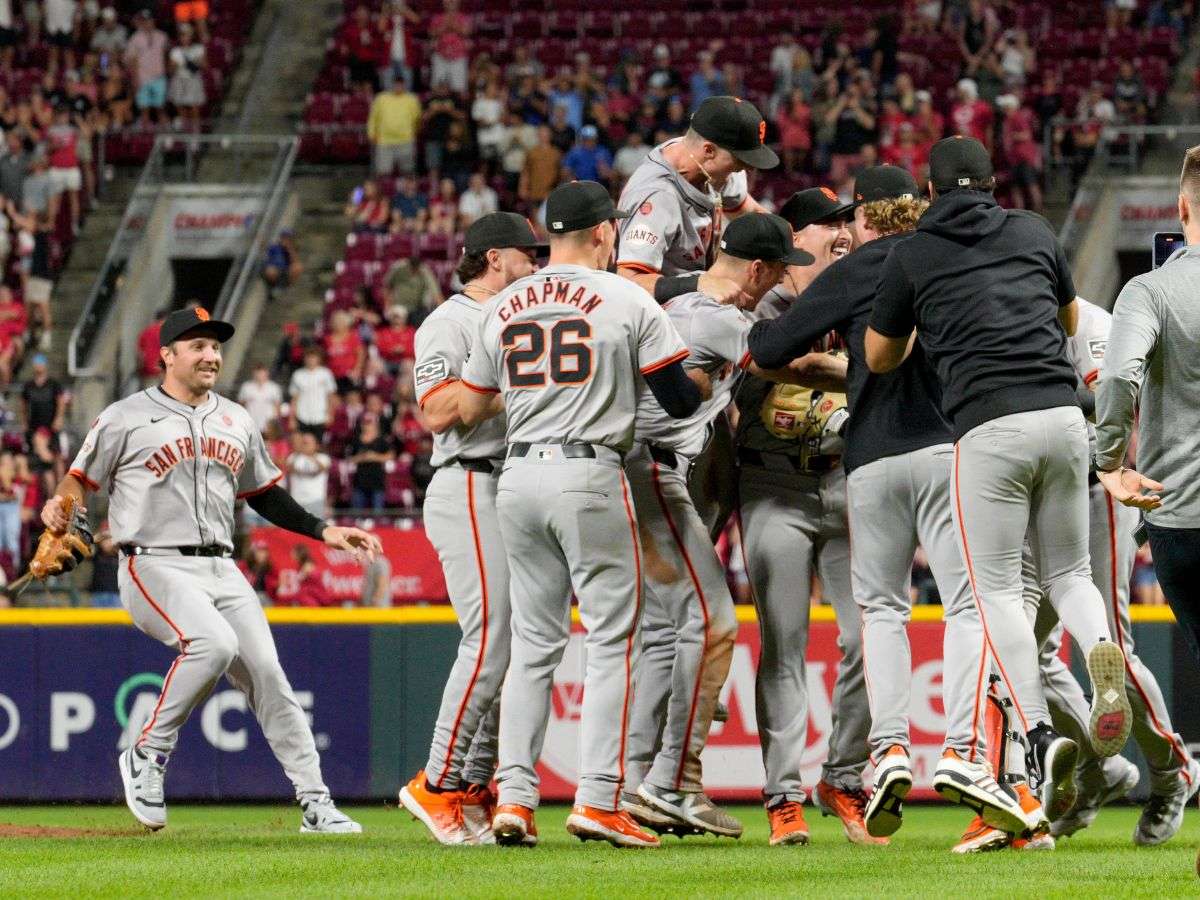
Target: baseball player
column 564, row 349
column 792, row 505
column 897, row 458
column 451, row 794
column 678, row 199
column 990, row 296
column 1174, row 774
column 755, row 250
column 173, row 459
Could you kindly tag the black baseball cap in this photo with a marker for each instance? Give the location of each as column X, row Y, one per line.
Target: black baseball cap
column 180, row 322
column 955, row 162
column 577, row 205
column 499, row 231
column 735, row 125
column 884, row 183
column 763, row 236
column 813, row 205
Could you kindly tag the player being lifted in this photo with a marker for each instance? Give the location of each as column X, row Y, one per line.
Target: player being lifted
column 173, row 459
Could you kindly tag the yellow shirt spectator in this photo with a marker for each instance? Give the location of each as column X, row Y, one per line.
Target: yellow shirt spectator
column 394, row 117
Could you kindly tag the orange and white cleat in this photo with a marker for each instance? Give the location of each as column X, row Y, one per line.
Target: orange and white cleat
column 1038, row 837
column 478, row 807
column 615, row 826
column 513, row 826
column 981, row 837
column 440, row 812
column 893, row 781
column 850, row 807
column 787, row 823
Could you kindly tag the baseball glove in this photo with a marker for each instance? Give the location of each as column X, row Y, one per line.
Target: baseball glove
column 62, row 552
column 815, row 418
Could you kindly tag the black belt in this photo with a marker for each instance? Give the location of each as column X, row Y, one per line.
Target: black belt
column 473, row 464
column 570, row 451
column 663, row 456
column 818, row 464
column 198, row 550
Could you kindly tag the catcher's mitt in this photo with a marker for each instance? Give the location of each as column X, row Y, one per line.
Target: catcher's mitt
column 62, row 552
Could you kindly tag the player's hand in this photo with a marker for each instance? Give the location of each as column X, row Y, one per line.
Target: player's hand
column 702, row 380
column 54, row 516
column 1127, row 486
column 364, row 545
column 722, row 289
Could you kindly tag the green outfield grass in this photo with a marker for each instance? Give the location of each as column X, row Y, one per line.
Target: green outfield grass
column 257, row 852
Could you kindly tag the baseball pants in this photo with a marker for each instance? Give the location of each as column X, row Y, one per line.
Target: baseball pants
column 699, row 607
column 463, row 526
column 792, row 526
column 895, row 504
column 1113, row 549
column 204, row 607
column 569, row 523
column 1018, row 475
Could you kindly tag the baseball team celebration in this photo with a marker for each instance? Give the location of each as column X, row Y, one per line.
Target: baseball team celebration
column 442, row 441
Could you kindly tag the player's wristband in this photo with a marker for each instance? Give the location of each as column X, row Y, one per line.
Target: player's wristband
column 670, row 286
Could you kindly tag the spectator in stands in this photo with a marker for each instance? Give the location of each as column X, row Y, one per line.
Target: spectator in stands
column 409, row 207
column 523, row 65
column 62, row 141
column 1017, row 58
column 487, row 112
column 187, row 93
column 450, row 31
column 1022, row 151
column 370, row 451
column 311, row 388
column 443, row 209
column 392, row 129
column 783, row 57
column 45, row 460
column 366, row 52
column 477, row 200
column 1129, row 94
column 794, row 121
column 289, row 356
column 394, row 340
column 146, row 57
column 310, row 590
column 194, row 13
column 111, row 37
column 1093, row 113
column 631, row 155
column 402, row 58
column 363, row 315
column 411, row 284
column 61, row 32
column 10, row 513
column 282, row 265
column 148, row 347
column 441, row 110
column 664, row 80
column 908, row 154
column 44, row 401
column 14, row 165
column 308, row 475
column 36, row 218
column 256, row 566
column 543, row 169
column 12, row 334
column 459, row 157
column 589, row 160
column 519, row 138
column 9, row 35
column 377, row 582
column 106, row 593
column 853, row 116
column 563, row 133
column 116, row 105
column 368, row 210
column 930, row 125
column 969, row 115
column 529, row 102
column 344, row 351
column 261, row 396
column 977, row 31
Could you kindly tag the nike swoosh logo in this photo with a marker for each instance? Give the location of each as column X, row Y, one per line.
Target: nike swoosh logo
column 311, row 819
column 135, row 772
column 156, row 421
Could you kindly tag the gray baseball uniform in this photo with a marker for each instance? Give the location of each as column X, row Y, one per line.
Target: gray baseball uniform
column 698, row 605
column 793, row 525
column 172, row 472
column 564, row 346
column 1112, row 551
column 461, row 522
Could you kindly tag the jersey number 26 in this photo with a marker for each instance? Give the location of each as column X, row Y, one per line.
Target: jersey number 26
column 570, row 355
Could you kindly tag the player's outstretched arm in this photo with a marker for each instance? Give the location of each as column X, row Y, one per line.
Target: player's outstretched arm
column 364, row 545
column 819, row 371
column 53, row 515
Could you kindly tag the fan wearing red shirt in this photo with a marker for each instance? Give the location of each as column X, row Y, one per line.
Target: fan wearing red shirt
column 1022, row 151
column 908, row 154
column 929, row 124
column 344, row 352
column 365, row 43
column 13, row 322
column 147, row 343
column 971, row 116
column 394, row 340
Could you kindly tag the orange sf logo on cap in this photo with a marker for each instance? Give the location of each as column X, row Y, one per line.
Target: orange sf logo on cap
column 762, row 131
column 201, row 313
column 827, row 192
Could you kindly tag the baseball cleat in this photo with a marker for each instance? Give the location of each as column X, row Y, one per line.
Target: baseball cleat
column 1112, row 716
column 617, row 827
column 1038, row 837
column 691, row 808
column 1163, row 814
column 142, row 777
column 1051, row 766
column 320, row 816
column 660, row 823
column 478, row 806
column 1118, row 776
column 848, row 806
column 513, row 826
column 440, row 812
column 1041, row 839
column 787, row 823
column 981, row 838
column 893, row 781
column 972, row 785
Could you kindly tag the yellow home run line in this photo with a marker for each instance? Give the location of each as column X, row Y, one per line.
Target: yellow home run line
column 424, row 615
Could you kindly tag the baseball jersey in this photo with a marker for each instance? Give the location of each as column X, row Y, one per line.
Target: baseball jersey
column 1085, row 348
column 173, row 471
column 564, row 346
column 715, row 335
column 443, row 343
column 673, row 226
